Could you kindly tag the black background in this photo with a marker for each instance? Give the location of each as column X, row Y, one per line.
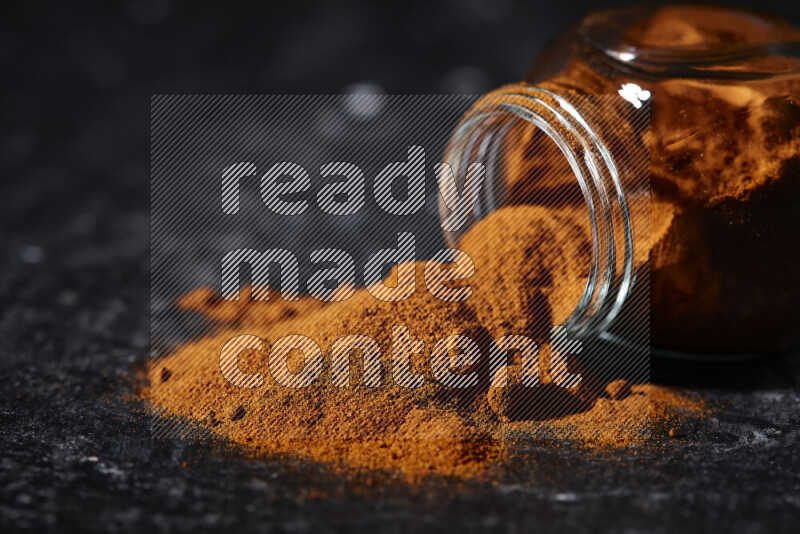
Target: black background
column 76, row 79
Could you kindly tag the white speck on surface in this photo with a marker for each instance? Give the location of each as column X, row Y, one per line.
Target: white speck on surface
column 363, row 100
column 566, row 497
column 468, row 80
column 67, row 298
column 32, row 254
column 773, row 396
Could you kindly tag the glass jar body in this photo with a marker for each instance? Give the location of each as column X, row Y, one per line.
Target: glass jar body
column 722, row 234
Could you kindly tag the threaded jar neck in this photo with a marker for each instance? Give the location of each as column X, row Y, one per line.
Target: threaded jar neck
column 573, row 124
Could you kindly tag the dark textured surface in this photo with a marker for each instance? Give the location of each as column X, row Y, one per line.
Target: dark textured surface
column 76, row 453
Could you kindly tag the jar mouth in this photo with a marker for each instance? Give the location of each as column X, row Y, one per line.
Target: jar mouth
column 610, row 275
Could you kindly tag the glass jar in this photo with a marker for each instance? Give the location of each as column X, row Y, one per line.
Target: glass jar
column 675, row 131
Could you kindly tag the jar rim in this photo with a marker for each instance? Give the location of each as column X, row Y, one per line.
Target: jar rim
column 610, row 280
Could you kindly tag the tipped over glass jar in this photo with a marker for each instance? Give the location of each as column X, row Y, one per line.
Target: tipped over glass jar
column 675, row 133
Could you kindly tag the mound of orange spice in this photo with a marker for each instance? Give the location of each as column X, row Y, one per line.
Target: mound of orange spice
column 431, row 429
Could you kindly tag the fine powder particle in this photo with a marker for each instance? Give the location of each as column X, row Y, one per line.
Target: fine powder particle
column 431, row 429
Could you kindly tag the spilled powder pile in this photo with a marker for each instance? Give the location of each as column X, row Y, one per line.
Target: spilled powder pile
column 431, row 429
column 355, row 425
